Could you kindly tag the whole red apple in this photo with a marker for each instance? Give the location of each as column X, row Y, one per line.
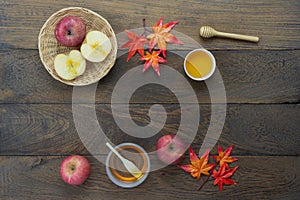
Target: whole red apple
column 74, row 169
column 170, row 149
column 70, row 31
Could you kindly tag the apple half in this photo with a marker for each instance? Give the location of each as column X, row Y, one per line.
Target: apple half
column 96, row 46
column 70, row 66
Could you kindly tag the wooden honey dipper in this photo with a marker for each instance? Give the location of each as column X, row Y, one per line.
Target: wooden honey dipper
column 207, row 32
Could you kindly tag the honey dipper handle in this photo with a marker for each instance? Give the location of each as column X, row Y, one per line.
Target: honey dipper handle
column 238, row 36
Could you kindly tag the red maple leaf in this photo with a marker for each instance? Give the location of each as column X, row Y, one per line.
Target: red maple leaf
column 135, row 44
column 153, row 59
column 161, row 36
column 198, row 166
column 223, row 176
column 224, row 157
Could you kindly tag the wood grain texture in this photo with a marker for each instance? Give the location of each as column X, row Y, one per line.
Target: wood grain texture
column 262, row 84
column 37, row 177
column 276, row 23
column 248, row 76
column 42, row 129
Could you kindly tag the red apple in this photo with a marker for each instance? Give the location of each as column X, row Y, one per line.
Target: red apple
column 70, row 31
column 170, row 149
column 74, row 169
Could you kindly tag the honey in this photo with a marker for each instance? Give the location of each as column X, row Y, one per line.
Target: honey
column 199, row 64
column 132, row 153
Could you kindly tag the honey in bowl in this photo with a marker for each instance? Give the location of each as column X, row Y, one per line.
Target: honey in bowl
column 117, row 171
column 133, row 154
column 199, row 64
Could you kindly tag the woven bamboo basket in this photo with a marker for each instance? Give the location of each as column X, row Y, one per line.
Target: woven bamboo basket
column 49, row 47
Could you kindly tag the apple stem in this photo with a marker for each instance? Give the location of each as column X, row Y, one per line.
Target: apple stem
column 171, row 147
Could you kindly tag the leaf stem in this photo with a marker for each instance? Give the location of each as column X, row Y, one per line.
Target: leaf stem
column 204, row 182
column 144, row 23
column 145, row 29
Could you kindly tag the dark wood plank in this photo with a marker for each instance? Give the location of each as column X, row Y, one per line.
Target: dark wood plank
column 249, row 77
column 37, row 177
column 42, row 129
column 275, row 22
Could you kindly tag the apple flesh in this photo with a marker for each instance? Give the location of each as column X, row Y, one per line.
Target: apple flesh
column 96, row 46
column 170, row 149
column 74, row 169
column 69, row 66
column 70, row 31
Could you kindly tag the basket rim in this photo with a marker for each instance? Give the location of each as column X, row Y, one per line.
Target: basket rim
column 113, row 37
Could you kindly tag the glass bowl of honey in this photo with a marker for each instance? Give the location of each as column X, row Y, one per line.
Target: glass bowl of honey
column 116, row 170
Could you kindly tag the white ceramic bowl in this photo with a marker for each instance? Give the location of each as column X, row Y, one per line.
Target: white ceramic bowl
column 213, row 64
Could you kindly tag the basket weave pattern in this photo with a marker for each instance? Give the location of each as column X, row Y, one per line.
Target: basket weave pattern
column 49, row 47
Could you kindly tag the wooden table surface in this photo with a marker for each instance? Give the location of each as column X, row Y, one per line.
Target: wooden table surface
column 262, row 84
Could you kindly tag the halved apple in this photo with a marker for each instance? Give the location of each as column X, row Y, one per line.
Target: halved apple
column 70, row 66
column 96, row 46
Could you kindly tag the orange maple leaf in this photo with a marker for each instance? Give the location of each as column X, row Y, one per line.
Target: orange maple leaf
column 224, row 157
column 161, row 36
column 198, row 166
column 135, row 44
column 153, row 59
column 223, row 176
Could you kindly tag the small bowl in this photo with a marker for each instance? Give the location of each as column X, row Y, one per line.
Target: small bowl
column 49, row 47
column 212, row 58
column 113, row 173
